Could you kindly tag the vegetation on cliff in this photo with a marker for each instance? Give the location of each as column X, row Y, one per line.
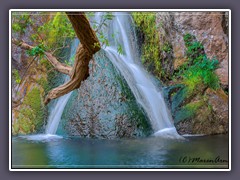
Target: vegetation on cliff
column 149, row 40
column 46, row 40
column 186, row 83
column 49, row 35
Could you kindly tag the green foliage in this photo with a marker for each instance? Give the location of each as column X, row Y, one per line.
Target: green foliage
column 15, row 127
column 16, row 76
column 56, row 31
column 44, row 84
column 188, row 38
column 167, row 47
column 61, row 27
column 90, row 14
column 199, row 70
column 120, row 49
column 99, row 27
column 51, row 80
column 146, row 22
column 104, row 41
column 21, row 22
column 34, row 101
column 70, row 62
column 37, row 50
column 204, row 70
column 45, row 63
column 96, row 45
column 195, row 50
column 108, row 16
column 201, row 74
column 17, row 28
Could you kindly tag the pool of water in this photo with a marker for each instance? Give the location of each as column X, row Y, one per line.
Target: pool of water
column 151, row 152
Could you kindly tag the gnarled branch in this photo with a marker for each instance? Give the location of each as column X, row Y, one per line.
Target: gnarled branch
column 89, row 45
column 80, row 71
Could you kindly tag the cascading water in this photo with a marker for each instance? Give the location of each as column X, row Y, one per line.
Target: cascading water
column 56, row 113
column 144, row 90
column 139, row 81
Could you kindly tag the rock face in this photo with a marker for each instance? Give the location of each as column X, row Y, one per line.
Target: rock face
column 28, row 78
column 32, row 78
column 218, row 102
column 209, row 28
column 206, row 110
column 104, row 106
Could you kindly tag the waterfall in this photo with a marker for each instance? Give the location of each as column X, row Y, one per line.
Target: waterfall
column 146, row 93
column 139, row 81
column 56, row 113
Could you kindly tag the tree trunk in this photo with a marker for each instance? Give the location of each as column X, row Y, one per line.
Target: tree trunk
column 80, row 71
column 89, row 46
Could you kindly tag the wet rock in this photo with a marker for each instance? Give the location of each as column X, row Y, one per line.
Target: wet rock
column 104, row 106
column 202, row 111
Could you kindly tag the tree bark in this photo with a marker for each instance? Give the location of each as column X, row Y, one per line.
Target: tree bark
column 80, row 71
column 89, row 46
column 84, row 32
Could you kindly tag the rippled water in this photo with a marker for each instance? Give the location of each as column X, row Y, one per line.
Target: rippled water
column 152, row 152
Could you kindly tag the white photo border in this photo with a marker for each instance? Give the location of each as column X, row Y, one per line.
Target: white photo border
column 117, row 10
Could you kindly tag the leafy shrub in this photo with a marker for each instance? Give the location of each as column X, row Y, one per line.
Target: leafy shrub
column 199, row 71
column 37, row 50
column 195, row 50
column 57, row 30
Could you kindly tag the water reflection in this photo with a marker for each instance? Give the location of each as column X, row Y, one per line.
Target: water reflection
column 152, row 152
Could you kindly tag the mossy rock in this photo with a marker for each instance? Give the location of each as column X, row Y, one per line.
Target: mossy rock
column 31, row 114
column 187, row 112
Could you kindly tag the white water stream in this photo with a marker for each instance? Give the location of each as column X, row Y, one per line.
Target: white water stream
column 144, row 90
column 56, row 113
column 139, row 81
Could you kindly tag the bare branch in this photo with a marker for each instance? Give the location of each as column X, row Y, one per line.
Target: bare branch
column 61, row 67
column 64, row 46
